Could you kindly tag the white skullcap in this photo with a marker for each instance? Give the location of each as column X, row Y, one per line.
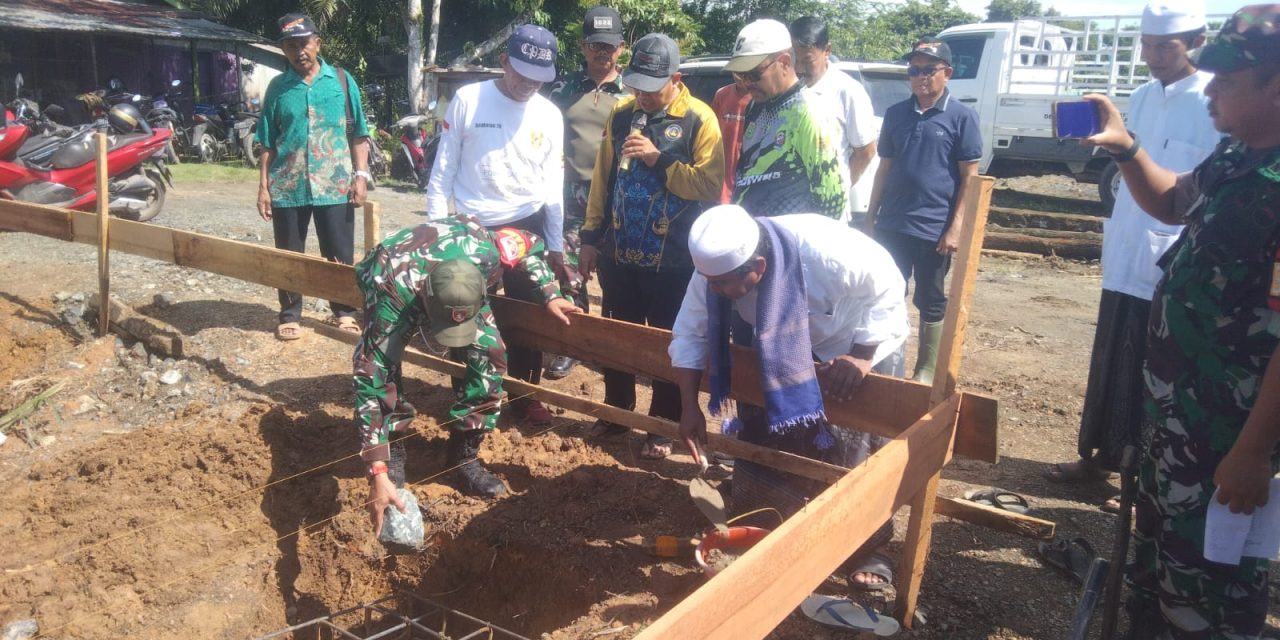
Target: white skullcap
column 722, row 239
column 1169, row 17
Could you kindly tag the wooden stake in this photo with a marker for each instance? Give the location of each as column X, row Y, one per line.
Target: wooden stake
column 104, row 254
column 920, row 524
column 372, row 224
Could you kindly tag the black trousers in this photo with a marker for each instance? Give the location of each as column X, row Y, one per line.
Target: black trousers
column 919, row 256
column 335, row 229
column 641, row 296
column 523, row 363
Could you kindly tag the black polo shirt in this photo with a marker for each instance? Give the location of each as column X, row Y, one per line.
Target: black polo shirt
column 927, row 149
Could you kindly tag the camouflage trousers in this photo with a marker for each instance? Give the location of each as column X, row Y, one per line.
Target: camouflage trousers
column 1173, row 585
column 572, row 283
column 381, row 410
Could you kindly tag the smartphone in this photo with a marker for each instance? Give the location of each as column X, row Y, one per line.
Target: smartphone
column 1076, row 119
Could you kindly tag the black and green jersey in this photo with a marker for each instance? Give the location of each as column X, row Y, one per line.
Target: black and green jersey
column 788, row 162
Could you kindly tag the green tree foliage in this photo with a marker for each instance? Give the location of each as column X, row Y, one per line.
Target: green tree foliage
column 1010, row 10
column 639, row 17
column 892, row 31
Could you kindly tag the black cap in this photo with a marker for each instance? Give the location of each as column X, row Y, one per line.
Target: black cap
column 297, row 25
column 931, row 47
column 602, row 24
column 654, row 59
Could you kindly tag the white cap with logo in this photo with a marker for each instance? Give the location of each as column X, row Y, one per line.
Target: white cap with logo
column 758, row 41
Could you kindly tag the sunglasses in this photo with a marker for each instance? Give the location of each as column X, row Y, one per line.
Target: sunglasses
column 755, row 74
column 602, row 47
column 925, row 72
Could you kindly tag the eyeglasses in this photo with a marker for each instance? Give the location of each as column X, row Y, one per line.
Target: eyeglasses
column 925, row 72
column 755, row 74
column 603, row 47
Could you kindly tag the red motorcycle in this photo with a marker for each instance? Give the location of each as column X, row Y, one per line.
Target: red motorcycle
column 12, row 134
column 135, row 164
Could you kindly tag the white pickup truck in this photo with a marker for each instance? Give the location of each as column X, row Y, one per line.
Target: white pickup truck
column 1011, row 73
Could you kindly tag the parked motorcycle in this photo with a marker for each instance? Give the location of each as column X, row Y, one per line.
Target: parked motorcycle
column 138, row 175
column 161, row 116
column 373, row 95
column 418, row 143
column 12, row 134
column 210, row 131
column 246, row 133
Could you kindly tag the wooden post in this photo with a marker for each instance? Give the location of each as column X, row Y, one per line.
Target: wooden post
column 372, row 224
column 104, row 254
column 920, row 524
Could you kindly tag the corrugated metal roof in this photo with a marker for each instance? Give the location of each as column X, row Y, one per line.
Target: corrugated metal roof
column 112, row 16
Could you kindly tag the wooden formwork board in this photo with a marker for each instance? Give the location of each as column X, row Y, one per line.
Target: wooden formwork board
column 883, row 405
column 750, row 597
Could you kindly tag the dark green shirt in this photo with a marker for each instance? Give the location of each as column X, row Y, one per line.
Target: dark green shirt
column 306, row 126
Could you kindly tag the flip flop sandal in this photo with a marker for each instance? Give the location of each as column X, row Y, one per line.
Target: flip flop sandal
column 287, row 331
column 844, row 614
column 1000, row 499
column 876, row 564
column 604, row 429
column 656, row 448
column 346, row 324
column 1070, row 556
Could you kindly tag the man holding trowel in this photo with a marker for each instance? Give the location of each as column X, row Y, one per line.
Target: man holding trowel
column 826, row 305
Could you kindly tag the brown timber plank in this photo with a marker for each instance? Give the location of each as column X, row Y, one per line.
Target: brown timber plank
column 751, row 596
column 50, row 222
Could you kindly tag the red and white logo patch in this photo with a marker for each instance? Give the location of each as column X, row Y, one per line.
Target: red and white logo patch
column 513, row 245
column 460, row 314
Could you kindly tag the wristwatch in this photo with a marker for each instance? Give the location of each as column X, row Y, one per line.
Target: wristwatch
column 368, row 177
column 1130, row 153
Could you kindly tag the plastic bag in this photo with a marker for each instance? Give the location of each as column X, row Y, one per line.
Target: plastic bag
column 403, row 532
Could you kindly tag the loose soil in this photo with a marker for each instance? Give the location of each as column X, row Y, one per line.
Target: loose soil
column 217, row 495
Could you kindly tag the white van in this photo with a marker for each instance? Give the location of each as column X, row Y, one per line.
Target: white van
column 1011, row 73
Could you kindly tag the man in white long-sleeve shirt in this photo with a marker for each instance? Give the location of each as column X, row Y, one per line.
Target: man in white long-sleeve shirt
column 857, row 323
column 501, row 162
column 1170, row 115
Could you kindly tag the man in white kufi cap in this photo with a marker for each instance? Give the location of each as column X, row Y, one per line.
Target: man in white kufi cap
column 825, row 305
column 1169, row 115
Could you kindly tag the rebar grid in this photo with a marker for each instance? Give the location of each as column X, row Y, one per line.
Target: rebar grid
column 437, row 622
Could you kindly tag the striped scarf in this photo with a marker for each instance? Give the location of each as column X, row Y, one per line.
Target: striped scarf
column 792, row 397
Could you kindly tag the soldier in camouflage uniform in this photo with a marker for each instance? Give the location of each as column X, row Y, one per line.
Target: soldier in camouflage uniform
column 436, row 275
column 1212, row 393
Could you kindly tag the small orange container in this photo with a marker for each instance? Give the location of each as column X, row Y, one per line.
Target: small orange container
column 736, row 540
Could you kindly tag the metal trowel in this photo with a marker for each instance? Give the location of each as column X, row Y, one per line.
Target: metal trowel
column 709, row 502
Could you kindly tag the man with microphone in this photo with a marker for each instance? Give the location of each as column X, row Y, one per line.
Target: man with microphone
column 660, row 164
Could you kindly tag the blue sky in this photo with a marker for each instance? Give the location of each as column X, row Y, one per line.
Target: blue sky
column 1104, row 7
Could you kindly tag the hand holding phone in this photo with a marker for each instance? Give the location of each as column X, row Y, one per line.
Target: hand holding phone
column 1076, row 119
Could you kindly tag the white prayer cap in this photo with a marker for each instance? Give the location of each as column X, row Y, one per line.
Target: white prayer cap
column 1169, row 17
column 722, row 239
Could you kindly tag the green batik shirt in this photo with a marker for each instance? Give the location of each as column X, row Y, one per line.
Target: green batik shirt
column 306, row 126
column 393, row 279
column 789, row 163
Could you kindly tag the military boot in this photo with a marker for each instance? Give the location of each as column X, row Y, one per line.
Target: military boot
column 471, row 477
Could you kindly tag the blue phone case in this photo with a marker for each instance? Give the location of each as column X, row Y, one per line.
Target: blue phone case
column 1075, row 119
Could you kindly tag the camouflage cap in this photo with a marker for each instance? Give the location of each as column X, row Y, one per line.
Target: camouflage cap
column 454, row 295
column 1248, row 38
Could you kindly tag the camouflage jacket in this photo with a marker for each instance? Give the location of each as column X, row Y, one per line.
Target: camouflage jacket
column 1215, row 318
column 402, row 264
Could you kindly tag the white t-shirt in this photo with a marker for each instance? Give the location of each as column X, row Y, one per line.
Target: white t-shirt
column 1174, row 126
column 500, row 161
column 847, row 101
column 853, row 287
